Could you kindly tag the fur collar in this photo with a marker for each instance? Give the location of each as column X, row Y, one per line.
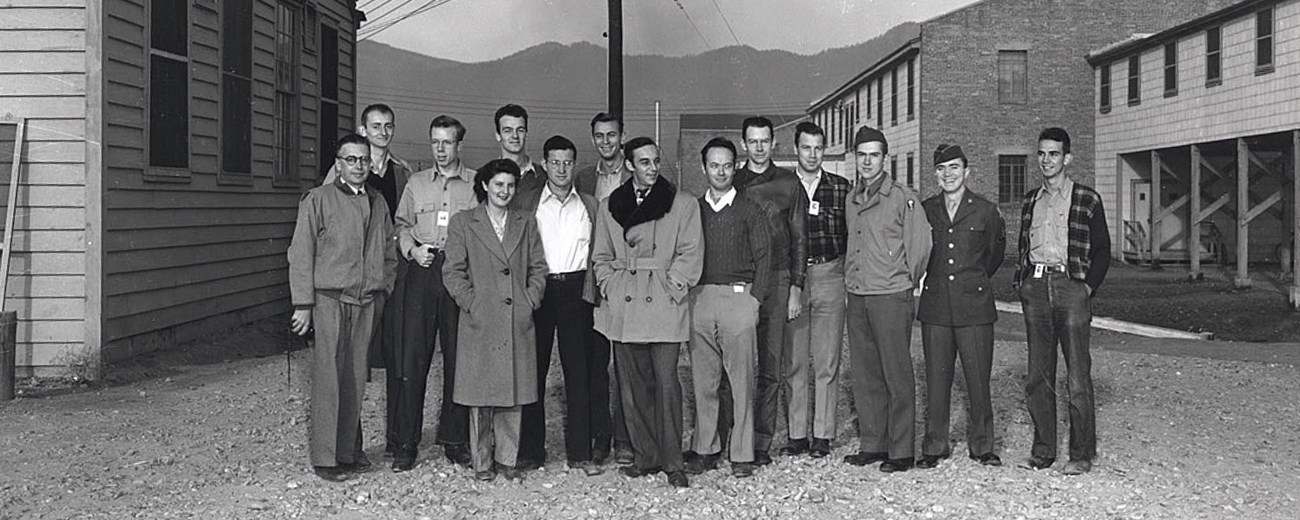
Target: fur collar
column 657, row 203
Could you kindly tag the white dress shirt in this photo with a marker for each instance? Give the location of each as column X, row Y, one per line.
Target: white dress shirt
column 566, row 231
column 722, row 202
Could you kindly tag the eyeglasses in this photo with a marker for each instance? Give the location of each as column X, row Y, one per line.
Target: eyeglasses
column 558, row 164
column 352, row 160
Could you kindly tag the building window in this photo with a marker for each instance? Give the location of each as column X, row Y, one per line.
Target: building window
column 893, row 167
column 237, row 87
column 1135, row 80
column 1104, row 90
column 1213, row 56
column 868, row 88
column 1171, row 69
column 1013, row 77
column 911, row 88
column 1264, row 41
column 880, row 102
column 286, row 94
column 911, row 172
column 329, row 96
column 169, row 84
column 893, row 97
column 1011, row 177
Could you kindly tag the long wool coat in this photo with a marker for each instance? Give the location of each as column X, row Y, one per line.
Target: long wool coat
column 497, row 284
column 646, row 258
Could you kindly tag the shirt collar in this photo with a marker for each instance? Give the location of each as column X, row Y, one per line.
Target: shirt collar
column 547, row 194
column 599, row 163
column 726, row 199
column 457, row 173
column 1066, row 189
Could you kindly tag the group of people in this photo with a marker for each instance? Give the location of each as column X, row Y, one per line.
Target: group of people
column 760, row 276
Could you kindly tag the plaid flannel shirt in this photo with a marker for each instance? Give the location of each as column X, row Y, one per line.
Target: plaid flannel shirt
column 828, row 230
column 1089, row 238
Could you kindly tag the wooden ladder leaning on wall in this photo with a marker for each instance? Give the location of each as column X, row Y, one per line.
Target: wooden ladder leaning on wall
column 14, row 184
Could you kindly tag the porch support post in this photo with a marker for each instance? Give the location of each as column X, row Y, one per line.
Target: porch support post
column 1243, row 214
column 1194, row 220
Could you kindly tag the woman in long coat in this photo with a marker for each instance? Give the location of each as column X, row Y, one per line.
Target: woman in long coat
column 496, row 271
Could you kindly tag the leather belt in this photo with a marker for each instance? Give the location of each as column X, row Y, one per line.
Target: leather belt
column 821, row 259
column 565, row 277
column 1052, row 268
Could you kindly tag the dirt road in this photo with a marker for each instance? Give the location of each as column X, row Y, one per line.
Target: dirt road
column 1180, row 437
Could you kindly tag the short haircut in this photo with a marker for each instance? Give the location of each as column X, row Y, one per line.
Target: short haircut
column 445, row 121
column 377, row 107
column 558, row 142
column 511, row 110
column 490, row 170
column 809, row 128
column 606, row 117
column 1056, row 134
column 635, row 144
column 756, row 122
column 717, row 142
column 351, row 139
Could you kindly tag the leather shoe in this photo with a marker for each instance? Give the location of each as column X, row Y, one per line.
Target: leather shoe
column 511, row 473
column 742, row 469
column 761, row 458
column 635, row 472
column 528, row 464
column 331, row 473
column 1036, row 462
column 1076, row 467
column 457, row 454
column 587, row 467
column 696, row 463
column 929, row 461
column 485, row 476
column 987, row 459
column 600, row 450
column 623, row 454
column 678, row 479
column 863, row 458
column 819, row 448
column 403, row 462
column 360, row 464
column 896, row 465
column 795, row 447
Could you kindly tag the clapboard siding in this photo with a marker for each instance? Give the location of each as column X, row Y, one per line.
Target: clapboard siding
column 197, row 252
column 43, row 80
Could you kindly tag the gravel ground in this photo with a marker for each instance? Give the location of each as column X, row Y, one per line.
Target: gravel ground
column 1180, row 437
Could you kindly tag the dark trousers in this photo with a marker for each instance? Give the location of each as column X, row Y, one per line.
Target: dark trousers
column 773, row 357
column 884, row 389
column 1059, row 310
column 652, row 402
column 567, row 319
column 426, row 313
column 942, row 345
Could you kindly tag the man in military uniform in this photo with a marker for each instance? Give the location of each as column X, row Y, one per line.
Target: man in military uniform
column 956, row 310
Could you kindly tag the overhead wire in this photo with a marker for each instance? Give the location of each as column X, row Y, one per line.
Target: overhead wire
column 693, row 26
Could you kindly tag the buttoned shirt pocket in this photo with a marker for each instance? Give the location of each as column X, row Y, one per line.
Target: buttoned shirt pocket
column 426, row 220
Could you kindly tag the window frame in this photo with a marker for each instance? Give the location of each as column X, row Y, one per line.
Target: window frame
column 893, row 167
column 1171, row 69
column 911, row 170
column 1265, row 40
column 327, row 141
column 911, row 90
column 893, row 97
column 1104, row 88
column 1214, row 56
column 880, row 101
column 1007, row 177
column 226, row 176
column 1134, row 90
column 286, row 170
column 1014, row 84
column 166, row 173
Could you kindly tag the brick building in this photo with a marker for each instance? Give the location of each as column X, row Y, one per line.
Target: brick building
column 696, row 129
column 1203, row 119
column 990, row 76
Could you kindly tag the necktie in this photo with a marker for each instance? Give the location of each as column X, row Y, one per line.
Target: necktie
column 641, row 194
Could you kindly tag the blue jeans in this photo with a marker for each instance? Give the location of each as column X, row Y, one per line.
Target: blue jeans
column 1059, row 310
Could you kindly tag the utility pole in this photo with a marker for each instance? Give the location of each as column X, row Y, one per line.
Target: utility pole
column 616, row 57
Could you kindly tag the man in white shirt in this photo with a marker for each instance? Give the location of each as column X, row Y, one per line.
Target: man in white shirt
column 565, row 219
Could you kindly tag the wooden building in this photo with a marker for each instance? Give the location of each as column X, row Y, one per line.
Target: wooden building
column 1197, row 134
column 167, row 144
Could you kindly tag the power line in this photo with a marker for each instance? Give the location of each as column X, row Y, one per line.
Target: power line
column 538, row 105
column 386, row 25
column 707, row 45
column 725, row 21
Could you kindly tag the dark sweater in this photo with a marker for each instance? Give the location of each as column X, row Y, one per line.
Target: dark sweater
column 737, row 245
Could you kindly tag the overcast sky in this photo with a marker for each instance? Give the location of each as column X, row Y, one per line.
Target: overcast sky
column 483, row 30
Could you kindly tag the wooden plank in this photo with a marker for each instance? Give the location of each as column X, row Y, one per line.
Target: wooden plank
column 48, row 196
column 64, row 286
column 1243, row 223
column 1157, row 196
column 1172, row 207
column 42, row 62
column 186, row 198
column 43, row 41
column 50, row 331
column 127, row 326
column 149, row 259
column 133, row 219
column 9, row 4
column 1214, row 206
column 1295, row 223
column 180, row 237
column 55, row 151
column 55, row 174
column 53, row 355
column 1264, row 169
column 49, row 241
column 1194, row 227
column 43, row 85
column 54, row 107
column 23, row 19
column 47, row 263
column 48, row 308
column 39, row 130
column 1205, row 163
column 1263, row 206
column 120, row 306
column 1136, row 329
column 125, row 283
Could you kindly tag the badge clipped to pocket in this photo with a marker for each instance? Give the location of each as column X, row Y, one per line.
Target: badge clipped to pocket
column 814, row 208
column 1038, row 271
column 443, row 217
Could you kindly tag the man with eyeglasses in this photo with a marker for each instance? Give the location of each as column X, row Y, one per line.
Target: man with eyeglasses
column 337, row 224
column 512, row 134
column 427, row 310
column 565, row 219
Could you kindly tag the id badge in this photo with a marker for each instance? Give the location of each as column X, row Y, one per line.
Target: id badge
column 1038, row 271
column 814, row 208
column 444, row 216
column 738, row 289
